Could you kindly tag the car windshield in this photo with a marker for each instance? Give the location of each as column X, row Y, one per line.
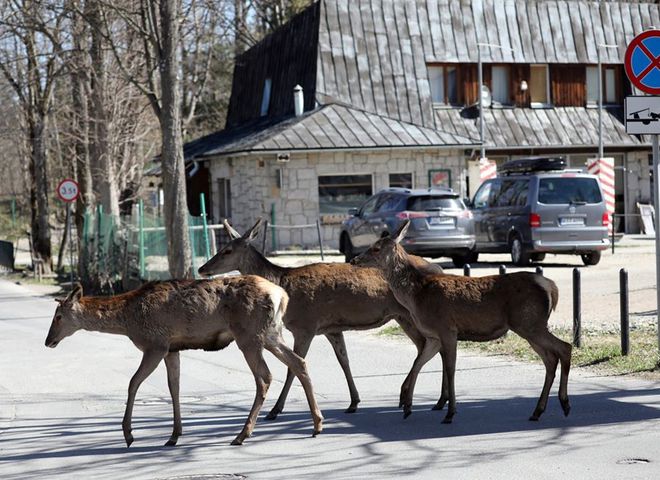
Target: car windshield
column 563, row 190
column 433, row 202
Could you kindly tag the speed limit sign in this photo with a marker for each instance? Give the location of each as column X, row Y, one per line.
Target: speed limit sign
column 68, row 190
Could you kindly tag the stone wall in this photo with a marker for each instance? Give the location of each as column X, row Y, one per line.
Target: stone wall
column 255, row 191
column 638, row 185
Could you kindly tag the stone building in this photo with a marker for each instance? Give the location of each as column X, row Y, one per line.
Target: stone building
column 387, row 95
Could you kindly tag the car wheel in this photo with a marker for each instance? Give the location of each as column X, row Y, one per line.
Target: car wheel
column 537, row 257
column 519, row 256
column 349, row 251
column 591, row 258
column 472, row 257
column 459, row 260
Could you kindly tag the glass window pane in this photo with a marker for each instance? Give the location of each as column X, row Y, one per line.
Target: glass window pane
column 610, row 85
column 434, row 202
column 338, row 193
column 402, row 180
column 592, row 85
column 452, row 85
column 538, row 88
column 265, row 99
column 437, row 81
column 565, row 190
column 500, row 84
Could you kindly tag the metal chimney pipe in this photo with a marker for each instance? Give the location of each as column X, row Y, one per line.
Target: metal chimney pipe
column 298, row 100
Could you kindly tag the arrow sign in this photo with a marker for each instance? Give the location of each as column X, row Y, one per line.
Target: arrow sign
column 642, row 62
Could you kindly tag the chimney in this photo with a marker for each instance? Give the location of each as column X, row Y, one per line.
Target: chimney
column 298, row 100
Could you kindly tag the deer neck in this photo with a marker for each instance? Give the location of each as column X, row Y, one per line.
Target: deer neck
column 402, row 276
column 103, row 314
column 256, row 264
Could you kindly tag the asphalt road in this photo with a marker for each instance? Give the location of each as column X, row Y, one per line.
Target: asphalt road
column 61, row 410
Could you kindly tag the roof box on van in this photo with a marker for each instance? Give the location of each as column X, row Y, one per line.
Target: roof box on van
column 531, row 165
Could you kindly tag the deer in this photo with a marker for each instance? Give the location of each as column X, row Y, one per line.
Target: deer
column 325, row 299
column 163, row 318
column 448, row 308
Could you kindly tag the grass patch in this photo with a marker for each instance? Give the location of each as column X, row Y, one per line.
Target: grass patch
column 600, row 351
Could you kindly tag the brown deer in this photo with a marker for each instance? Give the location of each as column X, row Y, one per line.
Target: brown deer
column 448, row 308
column 325, row 299
column 163, row 318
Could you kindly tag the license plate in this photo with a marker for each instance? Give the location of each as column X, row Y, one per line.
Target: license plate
column 442, row 221
column 571, row 221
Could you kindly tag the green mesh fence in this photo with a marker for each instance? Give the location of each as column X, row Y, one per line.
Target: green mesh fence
column 135, row 248
column 14, row 219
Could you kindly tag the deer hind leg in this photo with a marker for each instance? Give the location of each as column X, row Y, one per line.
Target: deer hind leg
column 339, row 346
column 444, row 395
column 253, row 353
column 449, row 347
column 150, row 360
column 296, row 364
column 173, row 365
column 301, row 345
column 431, row 347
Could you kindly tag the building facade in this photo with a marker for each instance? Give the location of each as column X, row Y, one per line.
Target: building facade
column 388, row 98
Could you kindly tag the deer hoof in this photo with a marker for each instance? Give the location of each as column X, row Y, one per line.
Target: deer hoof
column 440, row 405
column 407, row 411
column 272, row 415
column 129, row 439
column 171, row 442
column 534, row 418
column 237, row 441
column 447, row 419
column 566, row 407
column 351, row 409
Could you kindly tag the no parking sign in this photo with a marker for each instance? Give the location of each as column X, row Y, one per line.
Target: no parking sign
column 642, row 62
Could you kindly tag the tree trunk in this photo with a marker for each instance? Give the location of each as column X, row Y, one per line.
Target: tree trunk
column 39, row 191
column 173, row 170
column 103, row 166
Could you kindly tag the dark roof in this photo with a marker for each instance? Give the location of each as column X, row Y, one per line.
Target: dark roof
column 565, row 127
column 373, row 53
column 329, row 127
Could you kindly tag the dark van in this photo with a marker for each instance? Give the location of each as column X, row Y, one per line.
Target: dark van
column 535, row 206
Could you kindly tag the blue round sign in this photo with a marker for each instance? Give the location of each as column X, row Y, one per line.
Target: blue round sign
column 642, row 62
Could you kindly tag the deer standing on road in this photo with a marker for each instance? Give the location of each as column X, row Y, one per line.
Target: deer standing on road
column 325, row 299
column 448, row 308
column 163, row 318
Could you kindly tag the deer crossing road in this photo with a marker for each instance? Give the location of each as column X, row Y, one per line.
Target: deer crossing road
column 61, row 410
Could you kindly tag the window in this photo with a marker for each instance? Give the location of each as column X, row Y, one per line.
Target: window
column 402, row 180
column 566, row 190
column 481, row 197
column 610, row 86
column 512, row 193
column 371, row 206
column 338, row 193
column 444, row 84
column 433, row 202
column 592, row 86
column 539, row 86
column 501, row 85
column 392, row 203
column 265, row 99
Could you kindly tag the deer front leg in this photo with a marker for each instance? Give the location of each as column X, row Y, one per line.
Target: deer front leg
column 339, row 346
column 444, row 395
column 253, row 353
column 172, row 363
column 449, row 346
column 299, row 368
column 301, row 344
column 150, row 360
column 431, row 347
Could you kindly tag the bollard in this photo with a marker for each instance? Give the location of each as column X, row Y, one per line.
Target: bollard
column 502, row 270
column 577, row 309
column 539, row 270
column 625, row 321
column 466, row 270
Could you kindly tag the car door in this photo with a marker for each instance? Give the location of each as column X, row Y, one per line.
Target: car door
column 362, row 228
column 485, row 215
column 508, row 212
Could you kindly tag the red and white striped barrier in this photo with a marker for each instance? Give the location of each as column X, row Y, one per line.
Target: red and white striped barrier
column 487, row 169
column 603, row 168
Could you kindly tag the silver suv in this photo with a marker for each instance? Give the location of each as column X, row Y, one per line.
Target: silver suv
column 536, row 206
column 441, row 225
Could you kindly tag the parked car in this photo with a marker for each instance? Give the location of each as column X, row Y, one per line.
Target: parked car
column 536, row 206
column 441, row 224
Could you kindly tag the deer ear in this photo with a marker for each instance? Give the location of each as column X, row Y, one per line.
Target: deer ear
column 75, row 294
column 254, row 231
column 233, row 234
column 398, row 235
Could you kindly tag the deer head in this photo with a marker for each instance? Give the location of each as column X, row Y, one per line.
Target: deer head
column 65, row 322
column 381, row 253
column 229, row 258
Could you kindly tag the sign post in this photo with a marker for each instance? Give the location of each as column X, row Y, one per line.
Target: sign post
column 68, row 192
column 642, row 114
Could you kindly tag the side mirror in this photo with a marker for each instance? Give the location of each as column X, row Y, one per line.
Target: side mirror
column 353, row 212
column 468, row 202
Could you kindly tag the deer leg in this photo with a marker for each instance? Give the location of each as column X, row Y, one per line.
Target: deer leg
column 431, row 347
column 150, row 360
column 449, row 361
column 301, row 347
column 339, row 346
column 564, row 350
column 173, row 373
column 299, row 368
column 253, row 354
column 550, row 361
column 418, row 339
